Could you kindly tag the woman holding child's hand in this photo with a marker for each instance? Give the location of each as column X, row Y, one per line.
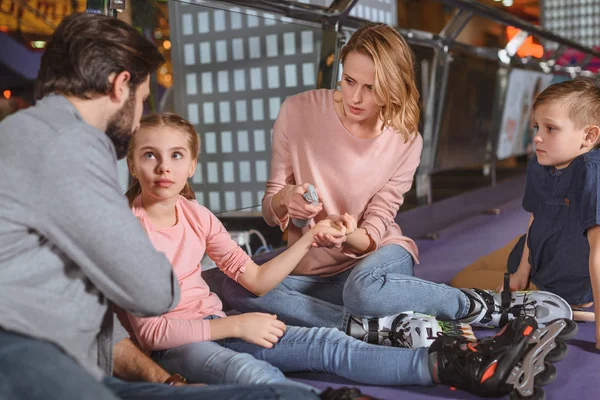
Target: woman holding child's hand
column 359, row 146
column 345, row 222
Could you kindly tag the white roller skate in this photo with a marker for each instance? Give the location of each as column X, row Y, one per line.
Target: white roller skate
column 408, row 329
column 496, row 309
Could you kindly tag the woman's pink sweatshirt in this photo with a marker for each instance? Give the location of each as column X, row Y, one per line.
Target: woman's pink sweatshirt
column 366, row 178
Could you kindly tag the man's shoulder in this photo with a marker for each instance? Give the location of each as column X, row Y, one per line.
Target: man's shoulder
column 48, row 121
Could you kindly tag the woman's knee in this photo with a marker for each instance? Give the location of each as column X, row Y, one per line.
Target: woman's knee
column 363, row 286
column 387, row 259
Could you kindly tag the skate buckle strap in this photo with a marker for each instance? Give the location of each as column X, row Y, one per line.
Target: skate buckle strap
column 505, row 300
column 373, row 334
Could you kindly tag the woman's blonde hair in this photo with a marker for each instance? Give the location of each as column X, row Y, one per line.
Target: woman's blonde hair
column 166, row 120
column 394, row 85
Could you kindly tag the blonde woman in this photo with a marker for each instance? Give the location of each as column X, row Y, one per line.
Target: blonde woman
column 359, row 146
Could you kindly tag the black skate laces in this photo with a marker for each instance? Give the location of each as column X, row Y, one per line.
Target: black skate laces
column 486, row 300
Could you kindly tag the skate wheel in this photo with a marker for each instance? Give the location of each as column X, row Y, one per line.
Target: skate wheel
column 570, row 330
column 558, row 353
column 547, row 376
column 538, row 394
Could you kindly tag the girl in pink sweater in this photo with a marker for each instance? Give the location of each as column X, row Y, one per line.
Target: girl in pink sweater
column 197, row 340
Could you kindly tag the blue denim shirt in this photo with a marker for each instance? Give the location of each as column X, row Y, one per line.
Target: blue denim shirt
column 565, row 203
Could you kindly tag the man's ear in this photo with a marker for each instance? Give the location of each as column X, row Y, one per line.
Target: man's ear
column 120, row 86
column 591, row 136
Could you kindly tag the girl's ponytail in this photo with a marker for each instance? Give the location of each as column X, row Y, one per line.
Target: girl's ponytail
column 134, row 191
column 187, row 192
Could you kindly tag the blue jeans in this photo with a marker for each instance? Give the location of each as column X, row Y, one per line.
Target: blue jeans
column 32, row 369
column 154, row 391
column 381, row 284
column 299, row 349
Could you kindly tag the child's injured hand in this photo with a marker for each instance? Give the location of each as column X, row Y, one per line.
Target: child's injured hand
column 346, row 220
column 328, row 233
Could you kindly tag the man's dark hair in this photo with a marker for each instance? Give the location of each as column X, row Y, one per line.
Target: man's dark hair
column 86, row 48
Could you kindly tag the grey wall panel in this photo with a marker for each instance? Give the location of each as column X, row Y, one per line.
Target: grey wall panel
column 233, row 68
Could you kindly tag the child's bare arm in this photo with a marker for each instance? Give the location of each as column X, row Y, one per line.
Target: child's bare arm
column 259, row 328
column 260, row 280
column 593, row 235
column 519, row 280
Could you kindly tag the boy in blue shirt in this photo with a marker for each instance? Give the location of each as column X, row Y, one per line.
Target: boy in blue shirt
column 562, row 254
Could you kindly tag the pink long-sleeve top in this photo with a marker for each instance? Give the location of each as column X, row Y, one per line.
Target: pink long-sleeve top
column 366, row 178
column 197, row 231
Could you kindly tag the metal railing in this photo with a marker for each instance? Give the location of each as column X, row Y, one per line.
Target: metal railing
column 337, row 22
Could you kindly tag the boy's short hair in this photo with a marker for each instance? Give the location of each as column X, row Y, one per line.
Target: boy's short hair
column 580, row 95
column 86, row 49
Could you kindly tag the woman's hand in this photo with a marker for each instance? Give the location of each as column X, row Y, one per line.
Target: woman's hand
column 259, row 328
column 332, row 231
column 297, row 207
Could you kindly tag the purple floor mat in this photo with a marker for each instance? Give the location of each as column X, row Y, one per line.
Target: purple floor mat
column 457, row 247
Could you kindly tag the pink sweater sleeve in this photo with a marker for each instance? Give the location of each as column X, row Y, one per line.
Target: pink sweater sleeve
column 384, row 205
column 281, row 170
column 161, row 333
column 223, row 250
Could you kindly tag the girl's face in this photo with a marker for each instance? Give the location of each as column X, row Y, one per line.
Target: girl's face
column 162, row 162
column 357, row 88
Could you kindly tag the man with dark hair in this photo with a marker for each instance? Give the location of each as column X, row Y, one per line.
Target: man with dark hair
column 69, row 245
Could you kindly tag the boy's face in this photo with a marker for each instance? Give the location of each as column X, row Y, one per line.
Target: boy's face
column 558, row 140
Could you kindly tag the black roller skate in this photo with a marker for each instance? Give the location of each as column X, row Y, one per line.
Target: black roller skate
column 517, row 361
column 495, row 309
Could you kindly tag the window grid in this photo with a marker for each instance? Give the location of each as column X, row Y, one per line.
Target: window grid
column 572, row 19
column 239, row 65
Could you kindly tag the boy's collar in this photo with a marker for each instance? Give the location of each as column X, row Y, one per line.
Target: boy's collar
column 558, row 172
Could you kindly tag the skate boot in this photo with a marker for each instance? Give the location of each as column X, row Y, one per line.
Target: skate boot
column 493, row 309
column 408, row 329
column 517, row 361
